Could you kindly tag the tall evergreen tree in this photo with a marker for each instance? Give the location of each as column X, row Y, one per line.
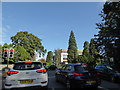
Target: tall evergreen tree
column 86, row 55
column 108, row 38
column 49, row 58
column 72, row 49
column 93, row 52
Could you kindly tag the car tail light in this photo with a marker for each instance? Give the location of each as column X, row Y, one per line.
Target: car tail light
column 78, row 74
column 11, row 72
column 28, row 62
column 40, row 71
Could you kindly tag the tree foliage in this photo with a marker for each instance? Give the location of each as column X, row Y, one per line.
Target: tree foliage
column 49, row 58
column 30, row 42
column 21, row 54
column 86, row 54
column 108, row 38
column 90, row 53
column 57, row 56
column 72, row 49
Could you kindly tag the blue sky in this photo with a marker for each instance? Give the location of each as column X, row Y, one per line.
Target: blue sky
column 52, row 21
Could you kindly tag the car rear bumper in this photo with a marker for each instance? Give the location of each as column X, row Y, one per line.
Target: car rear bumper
column 83, row 84
column 10, row 86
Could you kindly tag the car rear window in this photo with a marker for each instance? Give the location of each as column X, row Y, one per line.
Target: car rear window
column 27, row 66
column 79, row 68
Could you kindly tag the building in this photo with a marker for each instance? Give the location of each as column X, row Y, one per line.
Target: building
column 64, row 55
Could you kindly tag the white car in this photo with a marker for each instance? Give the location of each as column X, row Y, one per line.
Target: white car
column 26, row 74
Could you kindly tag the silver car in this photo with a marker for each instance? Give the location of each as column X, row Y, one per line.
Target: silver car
column 26, row 74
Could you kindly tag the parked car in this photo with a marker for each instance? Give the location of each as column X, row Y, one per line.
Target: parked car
column 108, row 73
column 26, row 74
column 75, row 76
column 52, row 67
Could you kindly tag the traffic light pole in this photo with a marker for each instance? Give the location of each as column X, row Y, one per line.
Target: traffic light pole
column 8, row 58
column 8, row 53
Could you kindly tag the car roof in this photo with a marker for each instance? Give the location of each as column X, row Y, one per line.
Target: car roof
column 74, row 64
column 28, row 61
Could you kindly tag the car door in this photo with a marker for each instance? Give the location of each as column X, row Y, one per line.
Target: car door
column 60, row 73
column 107, row 73
column 66, row 72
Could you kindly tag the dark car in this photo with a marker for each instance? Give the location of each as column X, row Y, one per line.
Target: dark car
column 51, row 67
column 108, row 73
column 76, row 76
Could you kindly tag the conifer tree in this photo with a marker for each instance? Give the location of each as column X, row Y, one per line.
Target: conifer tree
column 72, row 49
column 108, row 38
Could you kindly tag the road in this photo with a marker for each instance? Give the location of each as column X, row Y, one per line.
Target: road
column 106, row 85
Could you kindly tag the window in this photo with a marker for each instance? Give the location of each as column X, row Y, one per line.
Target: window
column 64, row 55
column 78, row 68
column 23, row 66
column 68, row 67
column 64, row 58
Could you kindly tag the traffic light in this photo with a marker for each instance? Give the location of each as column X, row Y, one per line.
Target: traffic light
column 6, row 51
column 11, row 53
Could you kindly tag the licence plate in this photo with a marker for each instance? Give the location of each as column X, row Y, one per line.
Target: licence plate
column 26, row 81
column 91, row 81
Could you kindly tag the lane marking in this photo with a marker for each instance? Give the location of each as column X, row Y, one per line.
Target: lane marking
column 52, row 88
column 103, row 88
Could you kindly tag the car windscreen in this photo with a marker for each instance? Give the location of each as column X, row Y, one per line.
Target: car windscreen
column 26, row 66
column 79, row 68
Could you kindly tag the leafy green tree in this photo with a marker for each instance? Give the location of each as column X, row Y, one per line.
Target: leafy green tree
column 108, row 38
column 20, row 54
column 30, row 42
column 49, row 58
column 85, row 53
column 57, row 56
column 94, row 52
column 72, row 49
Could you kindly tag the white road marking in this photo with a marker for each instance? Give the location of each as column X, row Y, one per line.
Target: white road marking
column 103, row 88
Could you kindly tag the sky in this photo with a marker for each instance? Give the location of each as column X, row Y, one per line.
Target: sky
column 51, row 21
